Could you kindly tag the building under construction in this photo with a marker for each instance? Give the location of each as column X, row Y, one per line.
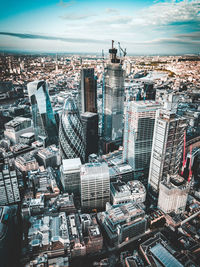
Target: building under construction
column 113, row 99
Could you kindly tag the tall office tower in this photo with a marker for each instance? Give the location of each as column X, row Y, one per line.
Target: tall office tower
column 167, row 144
column 88, row 91
column 71, row 137
column 95, row 186
column 9, row 188
column 113, row 99
column 138, row 133
column 173, row 194
column 70, row 175
column 43, row 118
column 90, row 129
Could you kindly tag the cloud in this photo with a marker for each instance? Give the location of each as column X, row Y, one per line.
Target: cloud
column 189, row 36
column 170, row 13
column 76, row 17
column 66, row 4
column 114, row 20
column 112, row 11
column 52, row 38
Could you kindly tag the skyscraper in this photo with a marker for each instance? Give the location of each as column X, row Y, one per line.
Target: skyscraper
column 90, row 129
column 43, row 118
column 95, row 186
column 71, row 137
column 167, row 144
column 113, row 99
column 88, row 91
column 138, row 133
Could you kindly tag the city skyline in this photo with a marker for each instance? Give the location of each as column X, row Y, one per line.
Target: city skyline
column 144, row 27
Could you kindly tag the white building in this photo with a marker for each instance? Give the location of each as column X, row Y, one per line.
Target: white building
column 70, row 175
column 95, row 185
column 167, row 145
column 173, row 194
column 138, row 133
column 123, row 193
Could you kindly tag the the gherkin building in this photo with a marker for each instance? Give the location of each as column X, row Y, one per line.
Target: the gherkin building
column 71, row 137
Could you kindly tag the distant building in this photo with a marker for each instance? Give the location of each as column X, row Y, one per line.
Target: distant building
column 43, row 117
column 71, row 137
column 138, row 133
column 113, row 99
column 88, row 91
column 167, row 144
column 9, row 187
column 95, row 186
column 16, row 127
column 173, row 194
column 122, row 193
column 90, row 130
column 123, row 223
column 70, row 175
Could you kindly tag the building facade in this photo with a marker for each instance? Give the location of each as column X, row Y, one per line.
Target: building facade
column 43, row 118
column 71, row 136
column 113, row 99
column 173, row 194
column 167, row 147
column 70, row 175
column 95, row 186
column 138, row 133
column 88, row 91
column 90, row 130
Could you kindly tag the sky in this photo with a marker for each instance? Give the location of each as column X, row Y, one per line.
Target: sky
column 141, row 26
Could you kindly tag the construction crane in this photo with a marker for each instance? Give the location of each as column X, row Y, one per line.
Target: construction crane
column 123, row 50
column 184, row 154
column 103, row 93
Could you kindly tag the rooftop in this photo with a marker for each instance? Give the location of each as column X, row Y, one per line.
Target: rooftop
column 71, row 164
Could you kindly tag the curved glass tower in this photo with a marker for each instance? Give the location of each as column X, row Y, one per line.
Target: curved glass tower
column 43, row 118
column 71, row 138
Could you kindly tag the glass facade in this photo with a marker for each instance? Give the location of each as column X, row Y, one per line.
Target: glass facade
column 43, row 118
column 71, row 137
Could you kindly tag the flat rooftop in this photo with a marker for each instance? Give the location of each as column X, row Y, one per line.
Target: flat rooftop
column 71, row 164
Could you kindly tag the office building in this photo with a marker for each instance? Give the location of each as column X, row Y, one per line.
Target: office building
column 167, row 145
column 16, row 127
column 49, row 156
column 173, row 194
column 27, row 138
column 95, row 186
column 42, row 113
column 90, row 130
column 26, row 163
column 9, row 187
column 71, row 137
column 113, row 100
column 138, row 133
column 123, row 222
column 88, row 91
column 126, row 192
column 70, row 175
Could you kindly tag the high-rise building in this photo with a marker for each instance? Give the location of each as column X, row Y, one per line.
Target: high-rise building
column 43, row 118
column 173, row 194
column 9, row 187
column 88, row 91
column 90, row 130
column 70, row 175
column 167, row 145
column 95, row 186
column 138, row 133
column 113, row 99
column 71, row 137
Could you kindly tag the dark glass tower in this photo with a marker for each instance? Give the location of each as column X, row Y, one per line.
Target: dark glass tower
column 43, row 118
column 90, row 129
column 71, row 137
column 88, row 91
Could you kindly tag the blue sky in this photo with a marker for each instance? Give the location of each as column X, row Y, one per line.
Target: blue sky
column 143, row 27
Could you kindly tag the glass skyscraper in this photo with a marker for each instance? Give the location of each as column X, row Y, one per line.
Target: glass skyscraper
column 43, row 118
column 71, row 137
